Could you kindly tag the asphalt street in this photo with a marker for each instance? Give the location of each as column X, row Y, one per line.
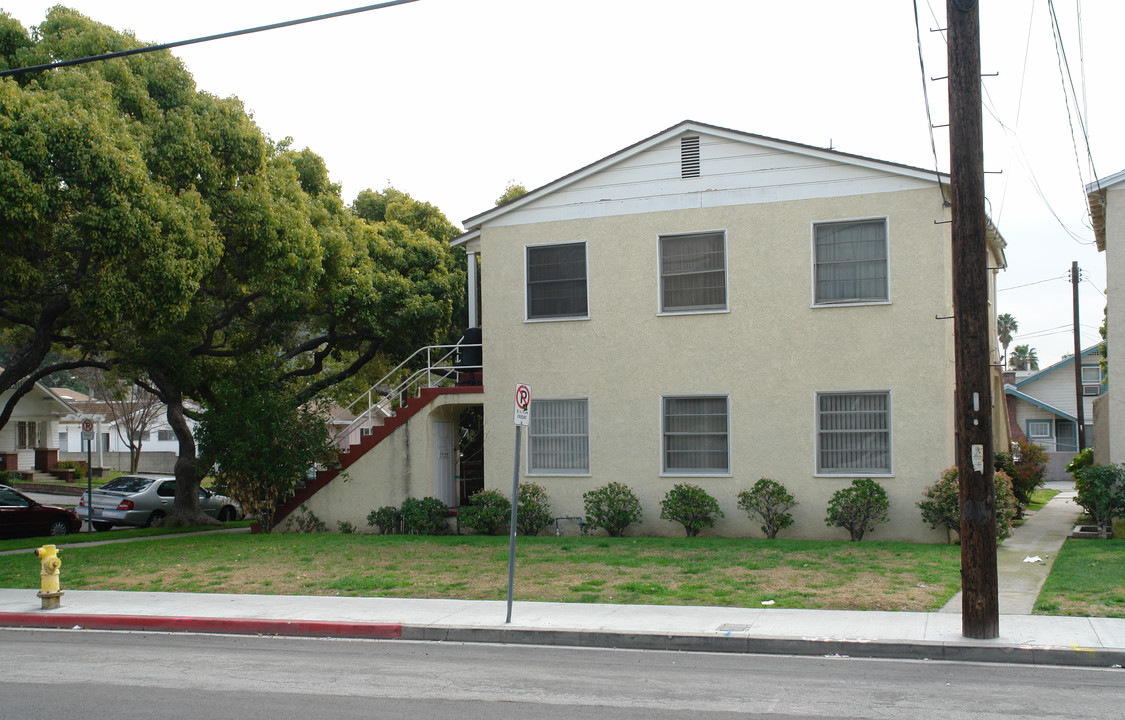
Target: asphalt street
column 83, row 674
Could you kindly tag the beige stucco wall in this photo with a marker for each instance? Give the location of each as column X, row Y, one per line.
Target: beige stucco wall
column 770, row 353
column 1115, row 327
column 400, row 466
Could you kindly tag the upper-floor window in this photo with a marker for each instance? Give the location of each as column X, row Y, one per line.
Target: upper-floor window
column 558, row 437
column 696, row 431
column 850, row 262
column 853, row 433
column 556, row 282
column 1091, row 375
column 693, row 275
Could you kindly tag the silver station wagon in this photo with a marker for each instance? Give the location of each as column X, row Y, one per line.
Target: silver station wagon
column 145, row 500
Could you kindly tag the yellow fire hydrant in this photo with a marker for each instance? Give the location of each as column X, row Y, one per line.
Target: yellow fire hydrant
column 49, row 564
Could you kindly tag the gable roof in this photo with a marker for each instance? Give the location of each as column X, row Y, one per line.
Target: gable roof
column 770, row 147
column 1060, row 364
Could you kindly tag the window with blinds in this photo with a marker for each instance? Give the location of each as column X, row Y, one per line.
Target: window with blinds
column 556, row 281
column 696, row 435
column 850, row 262
column 853, row 433
column 558, row 437
column 693, row 275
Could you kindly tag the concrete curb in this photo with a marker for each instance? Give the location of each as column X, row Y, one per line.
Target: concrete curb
column 230, row 626
column 823, row 647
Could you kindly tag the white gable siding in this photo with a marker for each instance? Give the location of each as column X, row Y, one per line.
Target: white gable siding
column 732, row 172
column 1056, row 388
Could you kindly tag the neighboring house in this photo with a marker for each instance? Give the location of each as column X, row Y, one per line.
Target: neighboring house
column 159, row 447
column 29, row 441
column 1043, row 406
column 1106, row 198
column 712, row 307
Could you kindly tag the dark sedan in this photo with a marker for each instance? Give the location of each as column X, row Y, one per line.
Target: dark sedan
column 20, row 516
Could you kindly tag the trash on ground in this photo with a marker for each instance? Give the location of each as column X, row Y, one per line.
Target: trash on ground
column 1033, row 558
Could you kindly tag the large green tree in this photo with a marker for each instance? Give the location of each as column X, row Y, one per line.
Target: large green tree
column 281, row 271
column 87, row 235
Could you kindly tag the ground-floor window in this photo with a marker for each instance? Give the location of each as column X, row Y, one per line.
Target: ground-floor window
column 27, row 435
column 853, row 433
column 558, row 437
column 696, row 434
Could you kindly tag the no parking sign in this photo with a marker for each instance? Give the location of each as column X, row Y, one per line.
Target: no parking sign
column 523, row 404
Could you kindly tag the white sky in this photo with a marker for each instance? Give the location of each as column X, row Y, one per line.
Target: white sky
column 449, row 100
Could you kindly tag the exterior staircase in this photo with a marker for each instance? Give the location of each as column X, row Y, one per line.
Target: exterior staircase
column 377, row 414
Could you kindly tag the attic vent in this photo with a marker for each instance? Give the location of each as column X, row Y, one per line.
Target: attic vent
column 689, row 157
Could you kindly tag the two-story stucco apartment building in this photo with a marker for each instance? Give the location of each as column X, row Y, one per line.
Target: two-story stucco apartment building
column 714, row 307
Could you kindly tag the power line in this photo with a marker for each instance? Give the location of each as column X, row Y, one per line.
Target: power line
column 194, row 41
column 926, row 97
column 1065, row 75
column 1037, row 282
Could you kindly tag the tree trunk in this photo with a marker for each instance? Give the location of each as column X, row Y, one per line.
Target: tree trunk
column 185, row 510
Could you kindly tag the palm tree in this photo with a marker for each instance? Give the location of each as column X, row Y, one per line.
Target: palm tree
column 1024, row 358
column 1006, row 326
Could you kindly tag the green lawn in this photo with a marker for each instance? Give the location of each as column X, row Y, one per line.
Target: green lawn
column 697, row 571
column 1088, row 579
column 121, row 533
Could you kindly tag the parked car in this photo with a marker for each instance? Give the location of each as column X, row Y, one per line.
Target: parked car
column 20, row 516
column 144, row 501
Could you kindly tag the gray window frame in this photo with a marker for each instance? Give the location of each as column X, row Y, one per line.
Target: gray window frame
column 817, row 264
column 533, row 288
column 665, row 274
column 822, row 433
column 666, row 435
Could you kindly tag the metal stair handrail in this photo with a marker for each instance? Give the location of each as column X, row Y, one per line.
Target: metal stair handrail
column 439, row 367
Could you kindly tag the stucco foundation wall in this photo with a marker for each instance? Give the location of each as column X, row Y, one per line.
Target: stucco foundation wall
column 1115, row 316
column 400, row 466
column 1101, row 430
column 770, row 354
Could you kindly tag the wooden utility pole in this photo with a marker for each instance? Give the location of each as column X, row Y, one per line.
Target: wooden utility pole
column 980, row 603
column 1081, row 414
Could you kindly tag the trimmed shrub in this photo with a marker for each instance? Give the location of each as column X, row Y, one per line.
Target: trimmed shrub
column 1026, row 473
column 78, row 466
column 941, row 503
column 533, row 511
column 308, row 522
column 858, row 508
column 488, row 512
column 345, row 527
column 386, row 519
column 613, row 507
column 423, row 517
column 1101, row 493
column 770, row 501
column 1084, row 458
column 690, row 506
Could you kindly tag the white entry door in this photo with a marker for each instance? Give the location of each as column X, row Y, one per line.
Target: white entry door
column 445, row 447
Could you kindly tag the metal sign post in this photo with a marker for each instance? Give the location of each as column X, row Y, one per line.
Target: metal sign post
column 522, row 418
column 88, row 436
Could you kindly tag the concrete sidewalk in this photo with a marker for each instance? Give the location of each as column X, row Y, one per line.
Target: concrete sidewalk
column 1019, row 576
column 1032, row 639
column 1024, row 638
